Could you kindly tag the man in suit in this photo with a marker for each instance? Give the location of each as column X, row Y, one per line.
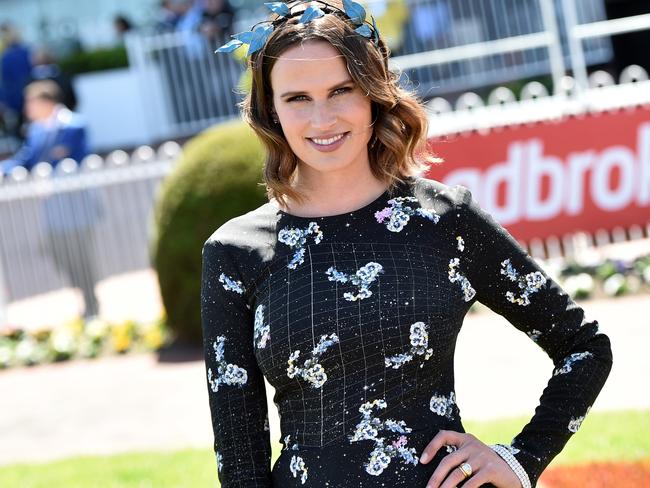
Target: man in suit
column 55, row 132
column 69, row 215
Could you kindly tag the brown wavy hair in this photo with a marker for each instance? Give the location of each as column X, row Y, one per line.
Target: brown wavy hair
column 398, row 146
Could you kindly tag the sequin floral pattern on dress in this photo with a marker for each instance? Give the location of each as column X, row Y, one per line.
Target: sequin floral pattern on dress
column 297, row 464
column 530, row 283
column 363, row 278
column 369, row 429
column 262, row 331
column 576, row 422
column 570, row 360
column 230, row 284
column 311, row 371
column 443, row 405
column 398, row 214
column 456, row 276
column 419, row 338
column 297, row 238
column 229, row 374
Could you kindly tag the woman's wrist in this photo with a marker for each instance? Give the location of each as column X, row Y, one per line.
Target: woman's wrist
column 506, row 454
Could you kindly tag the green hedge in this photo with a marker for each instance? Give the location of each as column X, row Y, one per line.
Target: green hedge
column 98, row 60
column 216, row 179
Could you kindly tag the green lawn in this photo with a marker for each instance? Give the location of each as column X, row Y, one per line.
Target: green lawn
column 603, row 436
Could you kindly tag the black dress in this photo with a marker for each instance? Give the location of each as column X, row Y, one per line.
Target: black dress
column 353, row 319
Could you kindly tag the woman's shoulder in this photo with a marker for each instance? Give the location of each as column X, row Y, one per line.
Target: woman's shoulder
column 252, row 231
column 438, row 195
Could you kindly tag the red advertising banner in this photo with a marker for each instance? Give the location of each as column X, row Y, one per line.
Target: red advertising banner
column 581, row 173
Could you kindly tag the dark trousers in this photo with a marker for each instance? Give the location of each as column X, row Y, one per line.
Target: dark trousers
column 73, row 253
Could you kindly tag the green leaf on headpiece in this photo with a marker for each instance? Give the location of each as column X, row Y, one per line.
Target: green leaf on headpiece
column 230, row 46
column 364, row 30
column 312, row 12
column 261, row 34
column 376, row 29
column 355, row 11
column 280, row 8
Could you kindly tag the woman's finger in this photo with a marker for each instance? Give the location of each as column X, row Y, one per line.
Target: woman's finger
column 441, row 438
column 446, row 466
column 456, row 475
column 479, row 478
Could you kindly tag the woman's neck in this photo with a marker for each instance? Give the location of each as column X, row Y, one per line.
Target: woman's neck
column 333, row 196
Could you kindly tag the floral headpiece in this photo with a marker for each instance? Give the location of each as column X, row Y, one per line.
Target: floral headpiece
column 260, row 32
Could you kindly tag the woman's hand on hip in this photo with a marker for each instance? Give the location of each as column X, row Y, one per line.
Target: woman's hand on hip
column 486, row 465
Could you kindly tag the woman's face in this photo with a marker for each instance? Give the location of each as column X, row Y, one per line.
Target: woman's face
column 324, row 115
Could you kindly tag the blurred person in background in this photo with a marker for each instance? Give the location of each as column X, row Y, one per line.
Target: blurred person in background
column 70, row 216
column 55, row 132
column 15, row 72
column 216, row 20
column 122, row 25
column 170, row 12
column 45, row 67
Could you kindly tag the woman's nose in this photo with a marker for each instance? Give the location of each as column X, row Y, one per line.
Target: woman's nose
column 323, row 115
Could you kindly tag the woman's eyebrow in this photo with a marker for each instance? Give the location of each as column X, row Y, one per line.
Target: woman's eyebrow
column 295, row 93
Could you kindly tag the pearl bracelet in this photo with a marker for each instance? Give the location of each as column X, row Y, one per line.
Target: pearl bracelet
column 508, row 457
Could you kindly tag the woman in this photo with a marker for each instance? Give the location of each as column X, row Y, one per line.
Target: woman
column 348, row 288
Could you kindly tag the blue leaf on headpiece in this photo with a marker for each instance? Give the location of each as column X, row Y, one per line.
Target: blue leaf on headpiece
column 355, row 11
column 230, row 46
column 261, row 34
column 376, row 29
column 312, row 12
column 364, row 30
column 245, row 37
column 280, row 8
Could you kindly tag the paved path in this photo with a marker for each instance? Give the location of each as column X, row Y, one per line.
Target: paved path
column 133, row 402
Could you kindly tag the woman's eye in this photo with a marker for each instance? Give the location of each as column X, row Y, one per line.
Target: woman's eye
column 338, row 91
column 342, row 90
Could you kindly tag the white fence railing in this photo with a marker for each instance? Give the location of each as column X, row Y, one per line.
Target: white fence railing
column 77, row 225
column 441, row 46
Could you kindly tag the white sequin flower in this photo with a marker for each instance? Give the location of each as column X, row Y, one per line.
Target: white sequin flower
column 419, row 341
column 570, row 360
column 230, row 284
column 398, row 214
column 311, row 371
column 296, row 466
column 534, row 334
column 297, row 238
column 443, row 405
column 219, row 462
column 574, row 423
column 362, row 279
column 528, row 284
column 460, row 244
column 455, row 276
column 229, row 374
column 369, row 429
column 262, row 331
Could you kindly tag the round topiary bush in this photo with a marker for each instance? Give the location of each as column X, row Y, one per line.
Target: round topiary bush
column 217, row 178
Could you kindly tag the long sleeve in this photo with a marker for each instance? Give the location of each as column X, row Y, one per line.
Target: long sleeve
column 495, row 270
column 235, row 383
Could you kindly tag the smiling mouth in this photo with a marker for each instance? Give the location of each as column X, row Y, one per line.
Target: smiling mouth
column 328, row 141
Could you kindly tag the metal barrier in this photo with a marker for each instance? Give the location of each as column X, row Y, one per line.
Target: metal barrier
column 580, row 31
column 441, row 46
column 78, row 224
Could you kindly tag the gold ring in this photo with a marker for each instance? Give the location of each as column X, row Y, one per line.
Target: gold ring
column 466, row 469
